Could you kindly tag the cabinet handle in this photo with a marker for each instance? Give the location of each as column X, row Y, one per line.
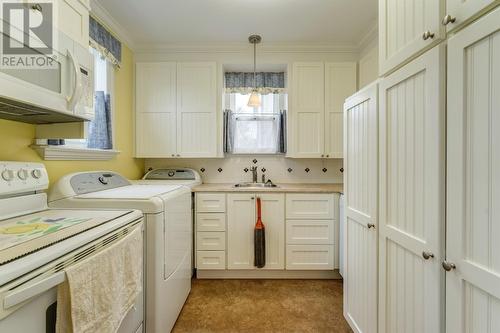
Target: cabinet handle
column 252, row 198
column 427, row 255
column 173, row 155
column 427, row 34
column 449, row 19
column 448, row 266
column 178, row 155
column 370, row 225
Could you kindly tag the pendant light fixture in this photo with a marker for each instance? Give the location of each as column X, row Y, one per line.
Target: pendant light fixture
column 254, row 100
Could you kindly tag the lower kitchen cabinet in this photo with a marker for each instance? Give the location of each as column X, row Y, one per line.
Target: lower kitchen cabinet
column 309, row 257
column 241, row 218
column 300, row 228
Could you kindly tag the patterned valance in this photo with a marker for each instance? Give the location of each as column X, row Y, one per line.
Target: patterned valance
column 103, row 41
column 266, row 82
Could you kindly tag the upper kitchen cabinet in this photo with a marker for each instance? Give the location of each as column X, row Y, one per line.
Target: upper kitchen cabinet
column 459, row 12
column 340, row 83
column 73, row 20
column 156, row 105
column 407, row 29
column 308, row 109
column 176, row 107
column 318, row 93
column 196, row 109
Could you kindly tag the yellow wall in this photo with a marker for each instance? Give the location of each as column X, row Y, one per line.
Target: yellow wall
column 15, row 137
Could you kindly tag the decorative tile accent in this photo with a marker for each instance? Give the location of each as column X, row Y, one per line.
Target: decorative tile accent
column 325, row 170
column 289, row 170
column 219, row 169
column 263, row 169
column 202, row 170
column 342, row 170
column 246, row 169
column 254, row 161
column 307, row 169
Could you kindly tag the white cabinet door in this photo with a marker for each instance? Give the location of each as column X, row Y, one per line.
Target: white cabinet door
column 402, row 25
column 412, row 200
column 155, row 109
column 340, row 83
column 460, row 11
column 473, row 189
column 240, row 230
column 197, row 109
column 361, row 195
column 73, row 20
column 273, row 217
column 308, row 109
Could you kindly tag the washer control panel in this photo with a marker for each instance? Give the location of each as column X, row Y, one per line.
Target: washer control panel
column 86, row 182
column 21, row 177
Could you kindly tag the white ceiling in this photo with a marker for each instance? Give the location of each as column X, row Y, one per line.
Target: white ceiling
column 157, row 22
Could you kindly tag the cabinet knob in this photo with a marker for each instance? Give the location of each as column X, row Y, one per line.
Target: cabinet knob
column 327, row 155
column 322, row 155
column 449, row 19
column 427, row 255
column 178, row 155
column 448, row 266
column 370, row 225
column 427, row 34
column 173, row 155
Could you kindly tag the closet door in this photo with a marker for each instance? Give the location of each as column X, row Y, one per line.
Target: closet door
column 308, row 109
column 460, row 11
column 361, row 193
column 340, row 83
column 155, row 133
column 412, row 200
column 473, row 189
column 402, row 25
column 196, row 109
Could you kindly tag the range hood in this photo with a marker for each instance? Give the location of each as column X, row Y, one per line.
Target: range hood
column 27, row 113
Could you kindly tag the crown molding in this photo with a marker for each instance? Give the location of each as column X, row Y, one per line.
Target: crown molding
column 102, row 14
column 237, row 47
column 370, row 38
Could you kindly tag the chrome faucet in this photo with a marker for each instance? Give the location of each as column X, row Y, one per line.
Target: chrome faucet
column 254, row 174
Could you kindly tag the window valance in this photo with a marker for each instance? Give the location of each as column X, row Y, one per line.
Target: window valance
column 266, row 82
column 103, row 41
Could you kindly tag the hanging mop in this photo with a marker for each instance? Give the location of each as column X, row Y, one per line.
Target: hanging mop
column 259, row 240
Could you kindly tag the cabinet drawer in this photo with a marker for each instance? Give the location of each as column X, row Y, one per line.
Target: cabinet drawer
column 309, row 257
column 211, row 222
column 211, row 260
column 312, row 232
column 210, row 203
column 310, row 206
column 211, row 241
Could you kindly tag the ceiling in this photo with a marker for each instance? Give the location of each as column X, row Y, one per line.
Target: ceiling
column 157, row 22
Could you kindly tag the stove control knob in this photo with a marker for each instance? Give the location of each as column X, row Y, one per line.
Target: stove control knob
column 171, row 173
column 36, row 173
column 22, row 174
column 7, row 175
column 103, row 180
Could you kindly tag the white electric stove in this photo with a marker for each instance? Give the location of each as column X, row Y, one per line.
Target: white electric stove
column 167, row 211
column 38, row 243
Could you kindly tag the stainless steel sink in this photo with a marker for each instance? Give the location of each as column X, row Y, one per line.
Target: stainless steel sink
column 256, row 185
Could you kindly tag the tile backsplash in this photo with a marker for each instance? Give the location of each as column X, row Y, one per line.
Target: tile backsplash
column 277, row 168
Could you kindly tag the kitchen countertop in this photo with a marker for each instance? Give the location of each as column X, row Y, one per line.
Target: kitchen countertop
column 289, row 188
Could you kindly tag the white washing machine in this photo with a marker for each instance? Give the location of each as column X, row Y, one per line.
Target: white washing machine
column 167, row 212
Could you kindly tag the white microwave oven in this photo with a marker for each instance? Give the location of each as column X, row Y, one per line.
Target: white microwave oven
column 63, row 93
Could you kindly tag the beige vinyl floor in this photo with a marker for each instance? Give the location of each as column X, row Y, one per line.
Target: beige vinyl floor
column 220, row 306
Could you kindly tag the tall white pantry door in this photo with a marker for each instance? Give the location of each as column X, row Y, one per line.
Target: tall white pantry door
column 361, row 189
column 473, row 189
column 412, row 196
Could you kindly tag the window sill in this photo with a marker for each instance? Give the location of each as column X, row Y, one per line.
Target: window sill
column 65, row 153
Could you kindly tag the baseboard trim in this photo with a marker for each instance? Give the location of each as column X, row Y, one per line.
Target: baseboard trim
column 260, row 274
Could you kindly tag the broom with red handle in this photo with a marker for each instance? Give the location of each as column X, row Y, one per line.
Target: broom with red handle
column 259, row 239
